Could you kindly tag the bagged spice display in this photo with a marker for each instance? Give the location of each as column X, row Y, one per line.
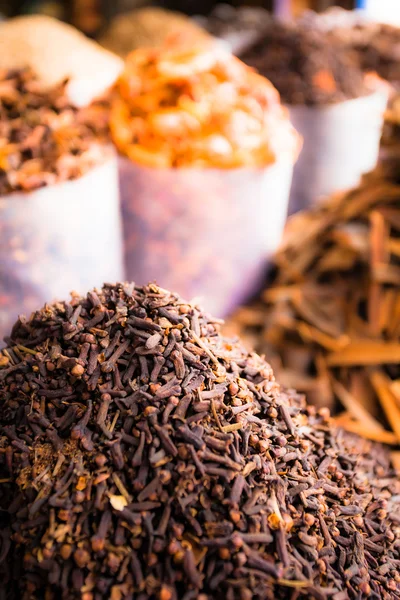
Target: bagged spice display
column 208, row 156
column 154, row 459
column 377, row 45
column 330, row 321
column 59, row 201
column 333, row 105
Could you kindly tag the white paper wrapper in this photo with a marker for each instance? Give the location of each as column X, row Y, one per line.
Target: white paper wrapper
column 58, row 239
column 207, row 233
column 340, row 143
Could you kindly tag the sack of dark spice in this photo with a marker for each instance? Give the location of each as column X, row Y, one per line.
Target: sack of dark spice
column 58, row 196
column 330, row 321
column 208, row 153
column 378, row 47
column 375, row 46
column 337, row 110
column 143, row 456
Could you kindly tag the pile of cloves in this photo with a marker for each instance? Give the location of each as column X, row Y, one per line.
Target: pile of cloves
column 143, row 456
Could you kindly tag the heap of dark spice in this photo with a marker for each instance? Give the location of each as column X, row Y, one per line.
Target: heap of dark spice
column 144, row 456
column 304, row 66
column 43, row 138
column 375, row 45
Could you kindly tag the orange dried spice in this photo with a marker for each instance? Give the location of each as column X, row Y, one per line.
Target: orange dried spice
column 202, row 108
column 324, row 80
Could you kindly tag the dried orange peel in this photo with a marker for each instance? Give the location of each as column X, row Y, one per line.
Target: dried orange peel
column 175, row 107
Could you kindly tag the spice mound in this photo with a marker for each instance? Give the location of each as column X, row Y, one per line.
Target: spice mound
column 375, row 46
column 200, row 108
column 378, row 47
column 43, row 139
column 304, row 66
column 150, row 26
column 144, row 456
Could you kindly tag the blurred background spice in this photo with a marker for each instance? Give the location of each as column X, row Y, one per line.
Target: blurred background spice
column 150, row 26
column 374, row 46
column 44, row 139
column 330, row 320
column 58, row 194
column 56, row 51
column 334, row 106
column 207, row 155
column 304, row 66
column 91, row 16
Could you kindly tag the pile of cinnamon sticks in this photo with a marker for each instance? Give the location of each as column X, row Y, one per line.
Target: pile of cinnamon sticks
column 330, row 321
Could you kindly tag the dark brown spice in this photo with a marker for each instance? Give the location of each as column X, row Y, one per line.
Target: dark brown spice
column 374, row 46
column 44, row 139
column 304, row 65
column 129, row 491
